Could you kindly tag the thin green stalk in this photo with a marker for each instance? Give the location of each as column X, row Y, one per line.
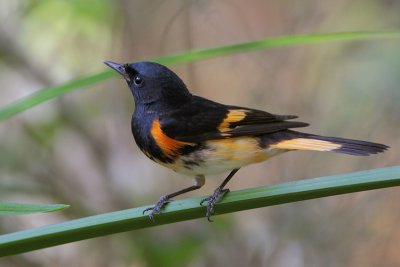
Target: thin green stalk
column 187, row 209
column 190, row 56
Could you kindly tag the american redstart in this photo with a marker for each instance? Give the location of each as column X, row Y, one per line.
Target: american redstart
column 196, row 136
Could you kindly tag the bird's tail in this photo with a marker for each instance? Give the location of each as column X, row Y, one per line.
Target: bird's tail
column 292, row 140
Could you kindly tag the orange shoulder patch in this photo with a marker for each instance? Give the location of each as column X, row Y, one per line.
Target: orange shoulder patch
column 168, row 145
column 233, row 115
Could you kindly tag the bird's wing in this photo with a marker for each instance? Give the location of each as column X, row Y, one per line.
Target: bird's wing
column 202, row 120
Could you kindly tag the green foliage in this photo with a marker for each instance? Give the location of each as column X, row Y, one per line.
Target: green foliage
column 10, row 208
column 187, row 209
column 179, row 253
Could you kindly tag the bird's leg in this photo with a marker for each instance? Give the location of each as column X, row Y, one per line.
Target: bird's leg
column 199, row 181
column 218, row 193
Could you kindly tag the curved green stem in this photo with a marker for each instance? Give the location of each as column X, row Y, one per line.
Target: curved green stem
column 187, row 209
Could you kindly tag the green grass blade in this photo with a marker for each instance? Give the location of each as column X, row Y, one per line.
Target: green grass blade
column 185, row 57
column 50, row 93
column 273, row 42
column 187, row 209
column 10, row 208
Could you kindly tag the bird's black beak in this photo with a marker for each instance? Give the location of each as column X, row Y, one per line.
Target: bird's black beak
column 120, row 68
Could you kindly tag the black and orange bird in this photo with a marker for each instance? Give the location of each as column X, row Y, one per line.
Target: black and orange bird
column 197, row 137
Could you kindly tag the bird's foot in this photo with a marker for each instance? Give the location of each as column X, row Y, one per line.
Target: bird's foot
column 212, row 200
column 156, row 209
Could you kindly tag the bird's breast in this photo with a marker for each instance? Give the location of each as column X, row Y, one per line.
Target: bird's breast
column 155, row 144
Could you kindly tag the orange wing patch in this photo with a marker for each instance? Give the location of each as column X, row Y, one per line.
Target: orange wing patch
column 233, row 115
column 307, row 144
column 168, row 145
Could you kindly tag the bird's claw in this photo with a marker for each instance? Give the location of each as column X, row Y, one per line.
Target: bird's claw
column 156, row 209
column 212, row 200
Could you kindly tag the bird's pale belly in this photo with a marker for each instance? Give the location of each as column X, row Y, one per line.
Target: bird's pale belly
column 224, row 155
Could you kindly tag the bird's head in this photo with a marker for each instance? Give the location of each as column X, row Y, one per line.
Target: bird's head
column 152, row 84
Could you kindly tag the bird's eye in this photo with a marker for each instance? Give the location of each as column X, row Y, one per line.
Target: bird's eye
column 138, row 80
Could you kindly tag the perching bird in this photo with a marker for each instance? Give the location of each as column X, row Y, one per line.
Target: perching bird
column 197, row 137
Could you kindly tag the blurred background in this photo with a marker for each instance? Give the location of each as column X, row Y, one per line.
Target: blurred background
column 78, row 149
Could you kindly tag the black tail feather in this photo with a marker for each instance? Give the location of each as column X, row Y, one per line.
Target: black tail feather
column 351, row 146
column 345, row 146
